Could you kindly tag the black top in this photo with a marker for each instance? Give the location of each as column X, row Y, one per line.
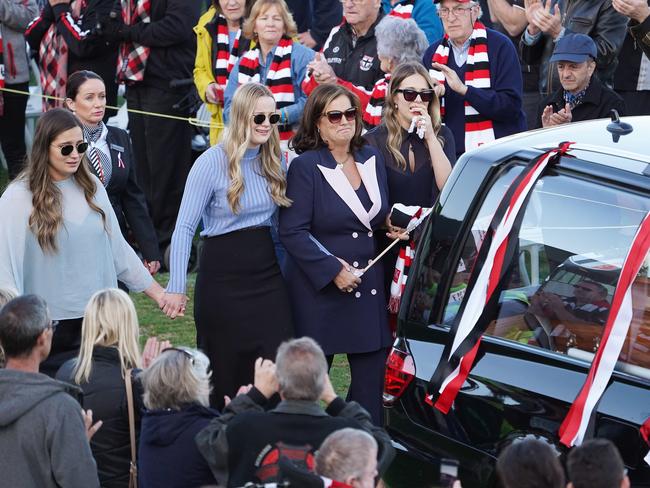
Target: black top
column 105, row 395
column 408, row 187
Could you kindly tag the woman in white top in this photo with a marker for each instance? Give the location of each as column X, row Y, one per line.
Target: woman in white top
column 59, row 236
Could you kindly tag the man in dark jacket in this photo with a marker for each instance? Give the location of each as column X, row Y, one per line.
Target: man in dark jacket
column 43, row 431
column 549, row 22
column 245, row 443
column 582, row 95
column 162, row 146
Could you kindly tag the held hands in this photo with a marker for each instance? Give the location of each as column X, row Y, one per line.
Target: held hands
column 635, row 9
column 346, row 280
column 91, row 429
column 550, row 119
column 451, row 78
column 266, row 380
column 173, row 304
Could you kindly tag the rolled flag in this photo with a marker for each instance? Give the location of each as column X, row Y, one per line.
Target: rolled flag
column 574, row 426
column 498, row 250
column 406, row 217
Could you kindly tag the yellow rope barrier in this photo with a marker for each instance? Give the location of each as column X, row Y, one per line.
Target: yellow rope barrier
column 190, row 120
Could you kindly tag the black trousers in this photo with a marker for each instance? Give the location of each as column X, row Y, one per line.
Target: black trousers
column 163, row 154
column 65, row 345
column 367, row 381
column 12, row 128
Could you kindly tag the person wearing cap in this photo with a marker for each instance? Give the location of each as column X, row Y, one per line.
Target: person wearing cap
column 482, row 77
column 582, row 95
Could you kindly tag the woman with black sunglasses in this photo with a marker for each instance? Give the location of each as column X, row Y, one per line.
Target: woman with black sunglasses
column 241, row 306
column 59, row 236
column 340, row 199
column 419, row 151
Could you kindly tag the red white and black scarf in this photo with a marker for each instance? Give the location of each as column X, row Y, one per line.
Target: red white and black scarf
column 491, row 273
column 2, row 75
column 572, row 431
column 225, row 56
column 405, row 217
column 278, row 78
column 645, row 434
column 478, row 129
column 404, row 10
column 373, row 113
column 132, row 57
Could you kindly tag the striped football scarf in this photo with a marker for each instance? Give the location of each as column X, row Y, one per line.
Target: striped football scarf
column 404, row 10
column 478, row 129
column 226, row 57
column 278, row 78
column 373, row 112
column 490, row 275
column 132, row 57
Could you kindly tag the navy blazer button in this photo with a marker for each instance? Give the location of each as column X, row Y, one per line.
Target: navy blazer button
column 355, row 235
column 369, row 261
column 370, row 234
column 355, row 264
column 373, row 292
column 357, row 294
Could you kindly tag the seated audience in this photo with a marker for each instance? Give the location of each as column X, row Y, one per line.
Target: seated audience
column 530, row 463
column 44, row 432
column 245, row 443
column 596, row 464
column 176, row 395
column 271, row 26
column 482, row 77
column 582, row 95
column 109, row 350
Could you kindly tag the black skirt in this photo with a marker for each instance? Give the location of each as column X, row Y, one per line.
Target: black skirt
column 241, row 307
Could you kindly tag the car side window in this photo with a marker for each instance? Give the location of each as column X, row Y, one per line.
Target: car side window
column 573, row 239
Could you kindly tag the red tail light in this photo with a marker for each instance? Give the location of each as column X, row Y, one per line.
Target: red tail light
column 400, row 371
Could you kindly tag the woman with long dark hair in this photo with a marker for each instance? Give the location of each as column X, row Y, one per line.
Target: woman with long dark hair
column 241, row 306
column 111, row 159
column 59, row 236
column 340, row 199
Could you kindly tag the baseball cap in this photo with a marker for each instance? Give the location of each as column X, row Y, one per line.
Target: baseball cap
column 575, row 48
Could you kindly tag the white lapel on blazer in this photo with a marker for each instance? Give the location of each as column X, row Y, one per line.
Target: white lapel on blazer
column 341, row 185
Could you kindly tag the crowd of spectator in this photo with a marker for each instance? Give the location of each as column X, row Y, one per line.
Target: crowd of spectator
column 332, row 124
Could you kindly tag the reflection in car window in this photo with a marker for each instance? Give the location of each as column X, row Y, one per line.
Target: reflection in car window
column 573, row 239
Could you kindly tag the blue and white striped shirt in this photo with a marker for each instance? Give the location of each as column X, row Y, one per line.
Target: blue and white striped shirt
column 205, row 198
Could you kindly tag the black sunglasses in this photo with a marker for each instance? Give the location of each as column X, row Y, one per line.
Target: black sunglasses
column 187, row 354
column 335, row 116
column 260, row 118
column 67, row 149
column 410, row 95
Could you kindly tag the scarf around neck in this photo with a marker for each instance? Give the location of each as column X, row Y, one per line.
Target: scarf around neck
column 278, row 78
column 478, row 128
column 403, row 10
column 372, row 115
column 225, row 56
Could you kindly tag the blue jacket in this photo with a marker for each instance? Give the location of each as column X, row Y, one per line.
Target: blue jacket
column 425, row 16
column 300, row 57
column 501, row 103
column 167, row 454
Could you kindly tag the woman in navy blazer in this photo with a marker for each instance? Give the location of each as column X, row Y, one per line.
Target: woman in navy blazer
column 111, row 160
column 340, row 199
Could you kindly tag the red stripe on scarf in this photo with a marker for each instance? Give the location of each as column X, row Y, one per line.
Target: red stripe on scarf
column 446, row 399
column 225, row 57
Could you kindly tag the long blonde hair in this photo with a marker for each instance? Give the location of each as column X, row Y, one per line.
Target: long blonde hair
column 110, row 320
column 235, row 140
column 47, row 214
column 394, row 139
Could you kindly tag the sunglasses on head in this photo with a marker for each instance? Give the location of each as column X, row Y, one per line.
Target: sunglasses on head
column 67, row 149
column 260, row 118
column 335, row 116
column 410, row 95
column 185, row 353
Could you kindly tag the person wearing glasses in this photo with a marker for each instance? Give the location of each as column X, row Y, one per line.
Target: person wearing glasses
column 481, row 74
column 340, row 199
column 176, row 397
column 241, row 306
column 59, row 236
column 111, row 159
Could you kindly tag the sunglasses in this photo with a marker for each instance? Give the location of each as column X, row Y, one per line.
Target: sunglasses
column 187, row 354
column 67, row 149
column 260, row 118
column 410, row 95
column 335, row 116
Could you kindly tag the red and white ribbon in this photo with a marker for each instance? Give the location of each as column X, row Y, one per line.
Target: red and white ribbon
column 572, row 430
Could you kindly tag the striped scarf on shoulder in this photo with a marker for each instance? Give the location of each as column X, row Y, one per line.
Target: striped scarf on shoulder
column 372, row 115
column 404, row 10
column 226, row 57
column 278, row 78
column 478, row 129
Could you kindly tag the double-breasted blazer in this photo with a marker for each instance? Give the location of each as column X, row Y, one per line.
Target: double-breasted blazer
column 126, row 196
column 326, row 221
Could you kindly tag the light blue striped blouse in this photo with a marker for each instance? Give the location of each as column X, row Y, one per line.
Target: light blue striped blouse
column 205, row 198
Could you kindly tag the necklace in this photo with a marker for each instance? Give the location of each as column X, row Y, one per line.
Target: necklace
column 347, row 158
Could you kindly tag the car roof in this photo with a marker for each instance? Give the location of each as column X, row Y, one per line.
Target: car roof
column 591, row 141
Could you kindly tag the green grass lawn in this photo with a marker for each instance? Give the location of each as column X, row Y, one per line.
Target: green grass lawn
column 181, row 331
